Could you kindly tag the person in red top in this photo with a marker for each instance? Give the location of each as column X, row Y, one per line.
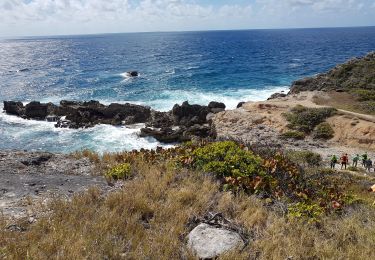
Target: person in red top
column 344, row 160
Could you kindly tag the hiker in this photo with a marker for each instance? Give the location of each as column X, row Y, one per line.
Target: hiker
column 333, row 161
column 344, row 160
column 368, row 164
column 355, row 160
column 364, row 159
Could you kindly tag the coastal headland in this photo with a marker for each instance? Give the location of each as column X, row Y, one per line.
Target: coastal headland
column 243, row 177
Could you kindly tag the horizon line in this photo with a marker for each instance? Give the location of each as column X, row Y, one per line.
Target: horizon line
column 181, row 31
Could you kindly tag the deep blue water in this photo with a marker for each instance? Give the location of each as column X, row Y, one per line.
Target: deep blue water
column 228, row 66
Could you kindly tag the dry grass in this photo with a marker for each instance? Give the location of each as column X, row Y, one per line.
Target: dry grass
column 341, row 100
column 149, row 219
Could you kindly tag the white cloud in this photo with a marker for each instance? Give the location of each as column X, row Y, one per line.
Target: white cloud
column 27, row 17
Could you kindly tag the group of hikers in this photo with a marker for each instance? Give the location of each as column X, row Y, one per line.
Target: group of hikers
column 344, row 161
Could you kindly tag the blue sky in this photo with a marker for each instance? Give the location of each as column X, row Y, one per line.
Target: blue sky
column 53, row 17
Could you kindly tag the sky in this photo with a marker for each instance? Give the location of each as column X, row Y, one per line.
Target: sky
column 66, row 17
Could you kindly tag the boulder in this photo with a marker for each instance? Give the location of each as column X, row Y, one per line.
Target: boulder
column 240, row 104
column 164, row 135
column 188, row 115
column 14, row 108
column 277, row 95
column 216, row 107
column 208, row 241
column 160, row 119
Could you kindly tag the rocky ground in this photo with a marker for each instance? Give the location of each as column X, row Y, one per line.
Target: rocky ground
column 29, row 179
column 263, row 122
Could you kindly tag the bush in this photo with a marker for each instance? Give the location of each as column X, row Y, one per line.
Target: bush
column 297, row 135
column 305, row 119
column 227, row 159
column 365, row 94
column 323, row 131
column 120, row 171
column 308, row 158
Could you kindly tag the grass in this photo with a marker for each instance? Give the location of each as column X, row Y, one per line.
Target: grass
column 151, row 215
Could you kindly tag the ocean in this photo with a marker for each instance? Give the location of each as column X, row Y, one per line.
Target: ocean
column 225, row 66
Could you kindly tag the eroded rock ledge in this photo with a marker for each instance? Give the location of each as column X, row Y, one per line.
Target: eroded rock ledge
column 182, row 123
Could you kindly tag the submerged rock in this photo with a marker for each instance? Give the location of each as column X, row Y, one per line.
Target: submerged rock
column 209, row 242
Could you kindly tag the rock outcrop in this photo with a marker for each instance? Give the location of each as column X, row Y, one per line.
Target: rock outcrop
column 357, row 73
column 182, row 123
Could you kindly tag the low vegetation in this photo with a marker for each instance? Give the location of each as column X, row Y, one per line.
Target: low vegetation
column 305, row 119
column 323, row 131
column 288, row 206
column 296, row 135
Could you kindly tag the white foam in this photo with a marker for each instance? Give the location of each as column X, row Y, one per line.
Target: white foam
column 230, row 98
column 42, row 135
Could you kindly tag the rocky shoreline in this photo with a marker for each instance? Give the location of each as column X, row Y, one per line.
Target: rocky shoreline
column 182, row 123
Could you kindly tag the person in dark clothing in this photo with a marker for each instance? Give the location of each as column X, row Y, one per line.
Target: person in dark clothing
column 368, row 164
column 364, row 159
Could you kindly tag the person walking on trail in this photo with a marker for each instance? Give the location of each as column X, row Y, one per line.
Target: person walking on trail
column 364, row 159
column 333, row 161
column 344, row 160
column 355, row 160
column 368, row 165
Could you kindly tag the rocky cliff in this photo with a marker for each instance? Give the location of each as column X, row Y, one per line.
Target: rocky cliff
column 357, row 73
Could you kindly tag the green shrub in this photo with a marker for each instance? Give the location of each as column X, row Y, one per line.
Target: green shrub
column 323, row 131
column 305, row 119
column 365, row 94
column 311, row 211
column 227, row 159
column 120, row 171
column 297, row 135
column 308, row 158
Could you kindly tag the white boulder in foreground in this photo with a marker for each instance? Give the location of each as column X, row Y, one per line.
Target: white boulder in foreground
column 208, row 241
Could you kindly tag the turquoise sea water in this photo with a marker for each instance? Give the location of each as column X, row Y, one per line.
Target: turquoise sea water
column 226, row 66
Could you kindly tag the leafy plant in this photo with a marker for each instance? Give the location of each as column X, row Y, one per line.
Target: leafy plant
column 311, row 211
column 323, row 131
column 120, row 171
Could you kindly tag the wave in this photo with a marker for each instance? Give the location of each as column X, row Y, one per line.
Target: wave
column 167, row 98
column 18, row 133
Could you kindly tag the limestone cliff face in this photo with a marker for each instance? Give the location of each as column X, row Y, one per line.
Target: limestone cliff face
column 357, row 73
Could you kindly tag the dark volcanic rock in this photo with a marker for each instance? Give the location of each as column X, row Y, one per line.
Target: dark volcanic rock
column 357, row 73
column 277, row 95
column 240, row 104
column 182, row 123
column 14, row 108
column 216, row 107
column 188, row 115
column 132, row 73
column 37, row 110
